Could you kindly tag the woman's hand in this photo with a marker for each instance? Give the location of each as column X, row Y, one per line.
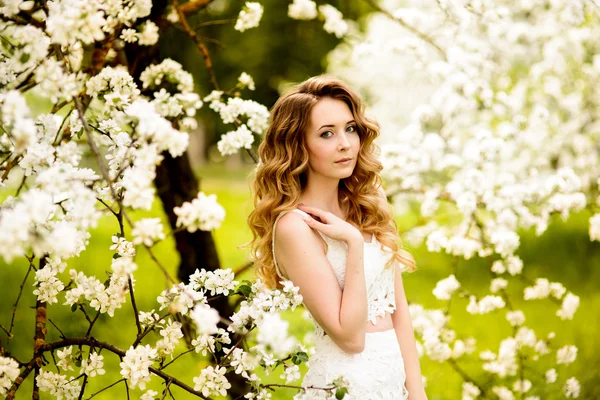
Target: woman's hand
column 331, row 225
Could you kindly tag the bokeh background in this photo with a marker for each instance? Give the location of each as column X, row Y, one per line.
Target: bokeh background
column 283, row 52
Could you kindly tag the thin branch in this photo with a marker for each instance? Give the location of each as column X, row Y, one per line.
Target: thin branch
column 164, row 270
column 85, row 378
column 173, row 360
column 182, row 11
column 103, row 389
column 409, row 27
column 215, row 22
column 12, row 320
column 148, row 329
column 89, row 331
column 465, row 376
column 135, row 310
column 62, row 335
column 194, row 5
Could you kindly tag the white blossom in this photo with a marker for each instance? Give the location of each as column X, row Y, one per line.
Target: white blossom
column 9, row 371
column 202, row 213
column 148, row 36
column 470, row 391
column 302, row 9
column 291, row 373
column 220, row 281
column 206, row 319
column 566, row 354
column 273, row 335
column 249, row 16
column 212, row 381
column 515, row 318
column 93, row 365
column 147, row 231
column 551, row 375
column 246, row 80
column 232, row 141
column 570, row 304
column 443, row 289
column 334, row 21
column 136, row 363
column 572, row 388
column 73, row 20
column 58, row 385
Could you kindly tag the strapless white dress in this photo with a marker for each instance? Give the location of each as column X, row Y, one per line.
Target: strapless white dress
column 377, row 373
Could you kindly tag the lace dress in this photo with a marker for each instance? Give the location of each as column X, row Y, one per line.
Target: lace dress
column 378, row 372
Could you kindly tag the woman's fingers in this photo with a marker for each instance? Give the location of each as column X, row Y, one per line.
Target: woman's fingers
column 323, row 215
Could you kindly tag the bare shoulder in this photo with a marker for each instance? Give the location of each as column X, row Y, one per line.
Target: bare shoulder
column 292, row 231
column 291, row 225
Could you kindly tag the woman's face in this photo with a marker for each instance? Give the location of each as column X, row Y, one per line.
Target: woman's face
column 332, row 136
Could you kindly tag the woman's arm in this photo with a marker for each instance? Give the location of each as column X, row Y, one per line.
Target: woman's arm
column 300, row 254
column 406, row 339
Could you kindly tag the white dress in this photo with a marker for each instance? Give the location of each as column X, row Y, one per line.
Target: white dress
column 378, row 372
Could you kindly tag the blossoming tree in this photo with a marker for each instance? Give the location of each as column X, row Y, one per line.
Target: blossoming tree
column 503, row 140
column 495, row 142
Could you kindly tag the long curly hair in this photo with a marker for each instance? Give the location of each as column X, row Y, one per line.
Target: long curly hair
column 281, row 174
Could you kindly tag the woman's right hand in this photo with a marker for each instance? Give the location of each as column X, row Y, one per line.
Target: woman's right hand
column 331, row 225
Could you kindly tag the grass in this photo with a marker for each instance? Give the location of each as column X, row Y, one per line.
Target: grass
column 562, row 254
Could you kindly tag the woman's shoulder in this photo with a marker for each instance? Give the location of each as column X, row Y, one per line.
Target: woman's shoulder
column 290, row 222
column 291, row 229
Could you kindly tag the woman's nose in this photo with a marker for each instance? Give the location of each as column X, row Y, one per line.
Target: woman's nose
column 343, row 143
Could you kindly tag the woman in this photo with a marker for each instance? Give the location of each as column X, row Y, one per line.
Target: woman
column 339, row 245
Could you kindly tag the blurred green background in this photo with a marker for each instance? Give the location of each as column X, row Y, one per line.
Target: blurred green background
column 278, row 52
column 562, row 254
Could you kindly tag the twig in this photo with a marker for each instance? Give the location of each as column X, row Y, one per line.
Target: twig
column 194, row 5
column 166, row 390
column 135, row 310
column 85, row 378
column 148, row 329
column 39, row 338
column 465, row 376
column 173, row 360
column 103, row 389
column 181, row 11
column 89, row 331
column 164, row 270
column 404, row 24
column 62, row 335
column 8, row 334
column 215, row 22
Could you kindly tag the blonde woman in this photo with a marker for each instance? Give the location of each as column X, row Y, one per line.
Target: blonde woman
column 322, row 221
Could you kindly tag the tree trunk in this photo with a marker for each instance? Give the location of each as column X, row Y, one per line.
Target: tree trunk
column 176, row 183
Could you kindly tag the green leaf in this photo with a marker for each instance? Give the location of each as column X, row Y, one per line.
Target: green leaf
column 340, row 392
column 244, row 290
column 73, row 307
column 299, row 358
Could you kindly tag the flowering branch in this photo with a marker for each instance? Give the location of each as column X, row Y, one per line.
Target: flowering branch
column 409, row 27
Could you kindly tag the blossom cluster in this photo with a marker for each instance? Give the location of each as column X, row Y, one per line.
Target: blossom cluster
column 202, row 213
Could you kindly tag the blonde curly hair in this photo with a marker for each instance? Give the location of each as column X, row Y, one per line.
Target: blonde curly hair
column 281, row 174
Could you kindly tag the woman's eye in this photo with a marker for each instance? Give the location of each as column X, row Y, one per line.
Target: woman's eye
column 351, row 128
column 326, row 134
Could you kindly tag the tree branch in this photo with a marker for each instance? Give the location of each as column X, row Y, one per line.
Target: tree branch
column 409, row 27
column 182, row 11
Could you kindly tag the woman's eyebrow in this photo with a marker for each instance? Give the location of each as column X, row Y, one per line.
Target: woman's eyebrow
column 333, row 126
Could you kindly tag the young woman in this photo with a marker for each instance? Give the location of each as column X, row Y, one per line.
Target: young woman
column 322, row 221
